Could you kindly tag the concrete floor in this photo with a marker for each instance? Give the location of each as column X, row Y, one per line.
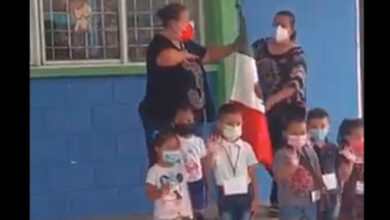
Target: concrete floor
column 211, row 215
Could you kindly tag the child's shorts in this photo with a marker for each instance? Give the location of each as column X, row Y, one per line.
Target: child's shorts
column 307, row 212
column 198, row 195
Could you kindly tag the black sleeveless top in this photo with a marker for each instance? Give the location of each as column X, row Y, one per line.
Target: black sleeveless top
column 169, row 87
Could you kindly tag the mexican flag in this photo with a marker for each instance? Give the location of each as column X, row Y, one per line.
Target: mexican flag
column 255, row 128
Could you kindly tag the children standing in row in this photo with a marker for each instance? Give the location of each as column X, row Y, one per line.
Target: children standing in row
column 327, row 152
column 316, row 179
column 166, row 180
column 295, row 169
column 233, row 164
column 194, row 155
column 351, row 169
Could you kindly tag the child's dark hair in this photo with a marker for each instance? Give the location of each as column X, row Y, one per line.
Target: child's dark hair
column 291, row 16
column 294, row 114
column 170, row 12
column 185, row 106
column 317, row 113
column 346, row 128
column 162, row 137
column 229, row 108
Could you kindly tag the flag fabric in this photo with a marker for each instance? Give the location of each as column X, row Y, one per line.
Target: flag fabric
column 255, row 128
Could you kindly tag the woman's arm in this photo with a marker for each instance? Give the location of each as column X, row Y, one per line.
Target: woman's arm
column 215, row 53
column 172, row 57
column 283, row 94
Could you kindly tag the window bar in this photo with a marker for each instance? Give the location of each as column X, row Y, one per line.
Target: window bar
column 135, row 26
column 123, row 31
column 69, row 30
column 103, row 29
column 151, row 19
column 52, row 29
column 86, row 45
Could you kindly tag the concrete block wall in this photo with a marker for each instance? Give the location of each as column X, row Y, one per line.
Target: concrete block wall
column 87, row 149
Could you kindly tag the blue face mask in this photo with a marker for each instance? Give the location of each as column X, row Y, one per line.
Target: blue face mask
column 318, row 134
column 171, row 157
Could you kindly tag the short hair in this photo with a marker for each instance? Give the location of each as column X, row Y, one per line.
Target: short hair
column 291, row 16
column 170, row 12
column 293, row 114
column 163, row 137
column 317, row 113
column 229, row 108
column 346, row 128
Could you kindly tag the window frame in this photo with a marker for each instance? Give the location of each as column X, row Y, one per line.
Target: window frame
column 39, row 46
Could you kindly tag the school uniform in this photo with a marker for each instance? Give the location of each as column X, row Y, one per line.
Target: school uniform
column 234, row 190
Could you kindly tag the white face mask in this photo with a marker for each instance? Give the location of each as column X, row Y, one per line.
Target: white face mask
column 232, row 133
column 297, row 141
column 281, row 34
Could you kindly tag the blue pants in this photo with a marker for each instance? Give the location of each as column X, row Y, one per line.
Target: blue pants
column 291, row 212
column 332, row 211
column 234, row 207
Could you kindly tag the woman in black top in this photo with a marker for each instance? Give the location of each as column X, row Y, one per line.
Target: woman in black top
column 281, row 69
column 175, row 74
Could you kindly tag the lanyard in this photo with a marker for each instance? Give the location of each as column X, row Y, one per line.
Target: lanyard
column 234, row 168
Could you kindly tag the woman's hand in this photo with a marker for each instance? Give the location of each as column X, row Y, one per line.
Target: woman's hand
column 258, row 90
column 283, row 94
column 189, row 57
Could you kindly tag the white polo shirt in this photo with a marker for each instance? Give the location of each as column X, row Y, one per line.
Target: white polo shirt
column 230, row 156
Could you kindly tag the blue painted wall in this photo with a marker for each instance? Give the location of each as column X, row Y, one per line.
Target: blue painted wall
column 327, row 32
column 87, row 149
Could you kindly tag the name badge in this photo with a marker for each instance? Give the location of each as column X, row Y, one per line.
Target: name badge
column 315, row 195
column 330, row 181
column 360, row 188
column 235, row 185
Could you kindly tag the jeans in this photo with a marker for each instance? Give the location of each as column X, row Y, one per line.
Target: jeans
column 292, row 212
column 234, row 207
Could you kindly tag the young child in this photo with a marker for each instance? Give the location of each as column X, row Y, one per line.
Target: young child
column 296, row 169
column 166, row 181
column 351, row 169
column 318, row 126
column 233, row 163
column 194, row 154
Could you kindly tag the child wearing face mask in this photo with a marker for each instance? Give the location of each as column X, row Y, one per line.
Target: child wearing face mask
column 351, row 169
column 327, row 153
column 166, row 180
column 233, row 164
column 296, row 169
column 194, row 156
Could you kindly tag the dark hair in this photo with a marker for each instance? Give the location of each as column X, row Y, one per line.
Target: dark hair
column 291, row 16
column 294, row 114
column 185, row 106
column 170, row 12
column 317, row 113
column 229, row 108
column 346, row 128
column 162, row 137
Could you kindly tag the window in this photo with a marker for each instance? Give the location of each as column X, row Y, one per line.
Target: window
column 103, row 31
